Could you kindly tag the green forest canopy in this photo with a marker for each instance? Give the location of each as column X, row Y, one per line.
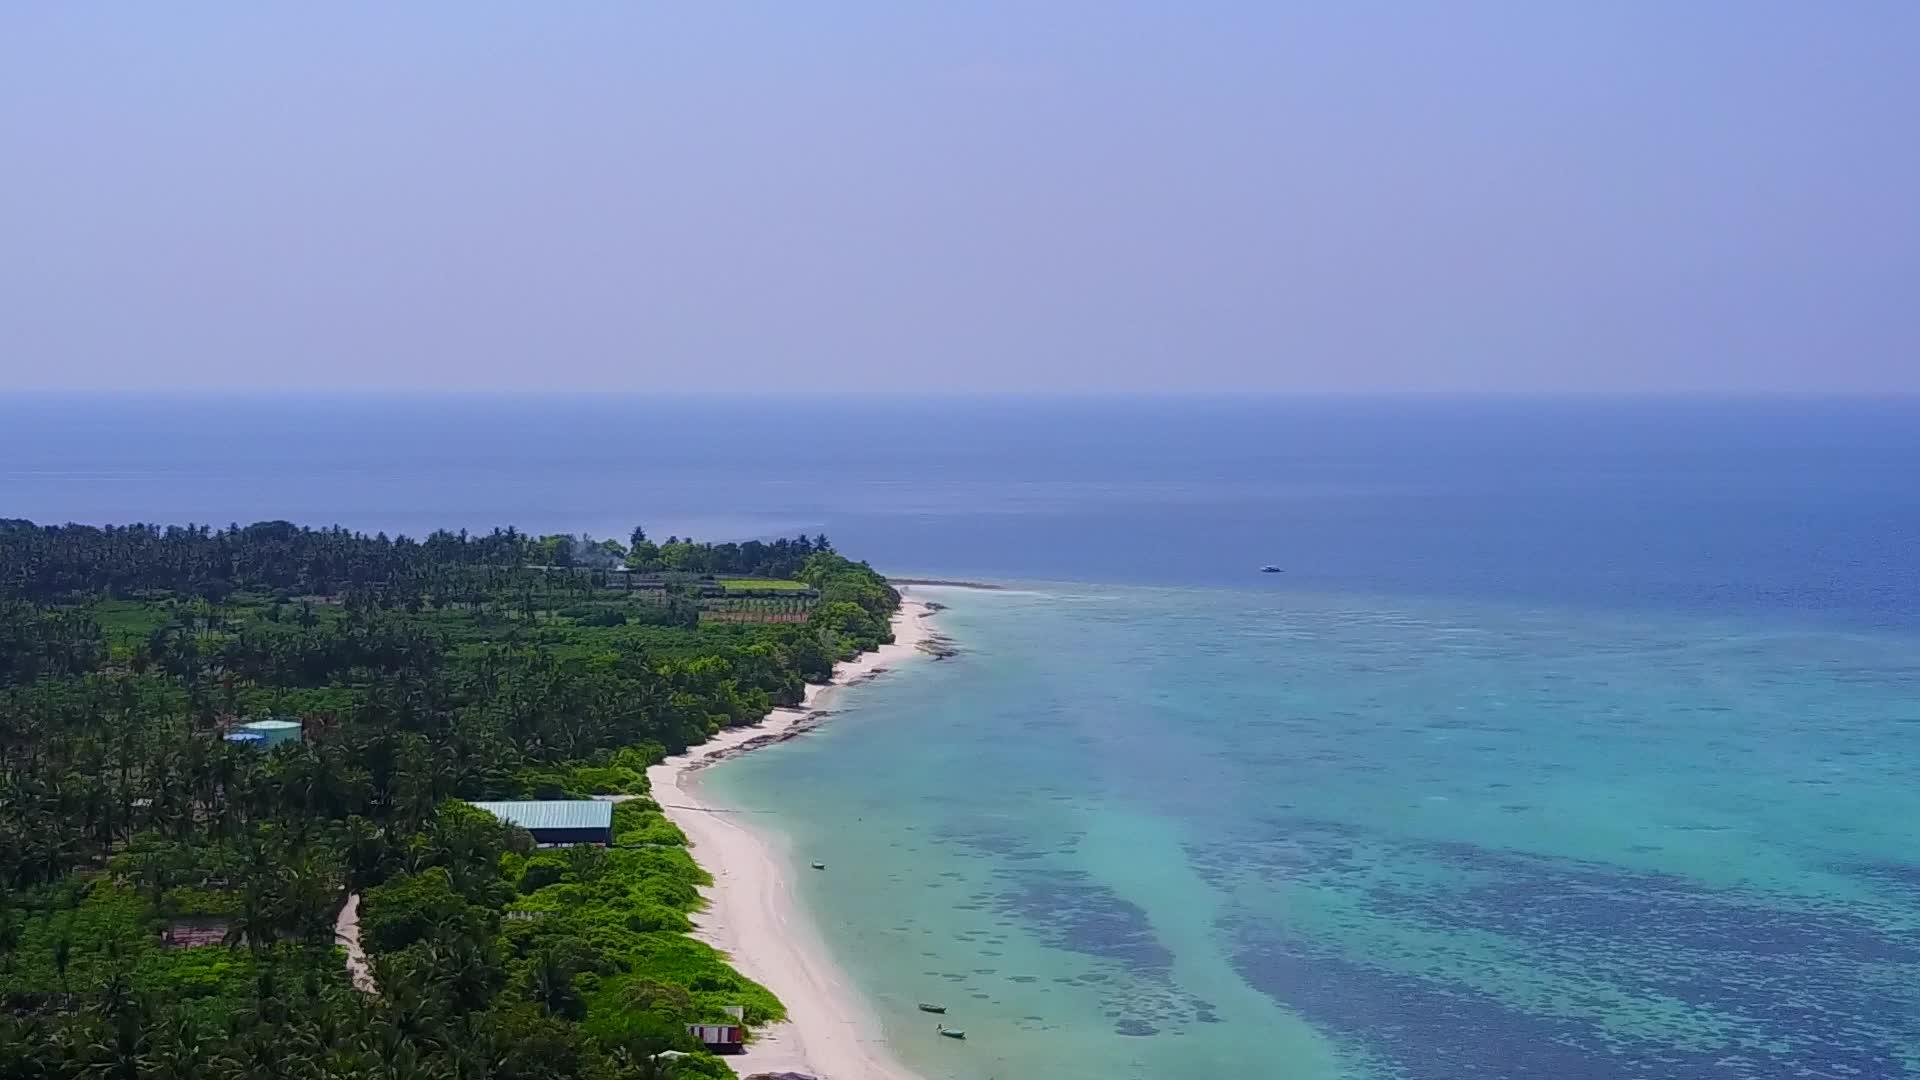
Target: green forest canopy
column 424, row 673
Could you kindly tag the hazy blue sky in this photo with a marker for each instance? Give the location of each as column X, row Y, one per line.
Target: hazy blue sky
column 1513, row 196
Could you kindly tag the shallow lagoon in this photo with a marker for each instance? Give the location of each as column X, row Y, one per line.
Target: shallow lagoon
column 1192, row 832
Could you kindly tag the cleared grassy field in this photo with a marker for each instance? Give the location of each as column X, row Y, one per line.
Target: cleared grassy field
column 760, row 584
column 127, row 622
column 753, row 617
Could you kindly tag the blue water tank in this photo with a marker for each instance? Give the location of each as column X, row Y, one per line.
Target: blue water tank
column 275, row 731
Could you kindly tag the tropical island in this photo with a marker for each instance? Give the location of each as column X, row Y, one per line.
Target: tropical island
column 237, row 777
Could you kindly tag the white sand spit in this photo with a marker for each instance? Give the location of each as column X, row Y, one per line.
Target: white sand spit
column 752, row 914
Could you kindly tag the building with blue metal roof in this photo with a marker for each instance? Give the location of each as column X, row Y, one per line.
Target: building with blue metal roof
column 558, row 821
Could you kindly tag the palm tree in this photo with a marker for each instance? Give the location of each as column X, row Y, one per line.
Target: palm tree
column 179, row 1053
column 404, row 1061
column 253, row 1054
column 407, row 1012
column 313, row 898
column 120, row 1052
column 117, row 998
column 550, row 982
column 63, row 951
column 10, row 934
column 257, row 921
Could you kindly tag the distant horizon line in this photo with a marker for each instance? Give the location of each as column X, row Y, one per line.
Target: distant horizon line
column 1213, row 394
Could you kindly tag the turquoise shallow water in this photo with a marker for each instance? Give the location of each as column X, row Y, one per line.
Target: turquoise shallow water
column 1193, row 832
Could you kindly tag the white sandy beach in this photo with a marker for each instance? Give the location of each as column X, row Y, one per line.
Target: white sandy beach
column 752, row 913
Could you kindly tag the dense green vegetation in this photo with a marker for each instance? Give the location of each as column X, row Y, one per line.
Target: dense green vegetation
column 168, row 897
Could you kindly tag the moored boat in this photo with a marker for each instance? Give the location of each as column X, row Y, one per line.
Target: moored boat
column 932, row 1008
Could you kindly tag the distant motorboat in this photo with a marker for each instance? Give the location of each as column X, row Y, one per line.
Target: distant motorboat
column 951, row 1033
column 1271, row 569
column 929, row 1007
column 819, row 866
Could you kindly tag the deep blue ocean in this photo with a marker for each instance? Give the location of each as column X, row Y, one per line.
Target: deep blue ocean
column 1580, row 739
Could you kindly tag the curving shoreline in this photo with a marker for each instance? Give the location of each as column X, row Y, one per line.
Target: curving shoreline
column 752, row 913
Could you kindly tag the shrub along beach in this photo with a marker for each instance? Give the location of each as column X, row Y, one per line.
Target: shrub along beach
column 182, row 886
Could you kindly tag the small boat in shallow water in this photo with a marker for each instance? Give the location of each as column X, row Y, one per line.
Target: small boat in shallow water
column 932, row 1008
column 819, row 866
column 951, row 1033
